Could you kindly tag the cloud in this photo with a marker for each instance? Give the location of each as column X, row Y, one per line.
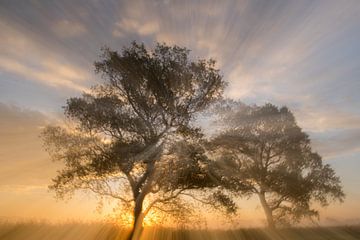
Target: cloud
column 326, row 118
column 53, row 74
column 132, row 20
column 126, row 26
column 336, row 143
column 39, row 63
column 69, row 28
column 22, row 189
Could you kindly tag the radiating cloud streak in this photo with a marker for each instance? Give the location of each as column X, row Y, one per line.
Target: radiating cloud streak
column 25, row 57
column 67, row 28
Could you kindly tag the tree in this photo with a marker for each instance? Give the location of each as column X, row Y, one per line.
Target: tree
column 264, row 152
column 120, row 145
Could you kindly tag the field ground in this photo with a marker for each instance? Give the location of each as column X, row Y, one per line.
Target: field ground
column 97, row 231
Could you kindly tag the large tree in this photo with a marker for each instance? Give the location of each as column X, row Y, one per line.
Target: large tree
column 122, row 135
column 264, row 152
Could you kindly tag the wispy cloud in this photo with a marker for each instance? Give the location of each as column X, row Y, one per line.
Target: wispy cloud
column 23, row 56
column 54, row 74
column 126, row 26
column 69, row 28
column 337, row 143
column 22, row 189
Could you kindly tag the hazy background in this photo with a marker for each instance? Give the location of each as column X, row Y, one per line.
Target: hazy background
column 303, row 54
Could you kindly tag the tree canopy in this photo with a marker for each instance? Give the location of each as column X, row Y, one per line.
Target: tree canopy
column 122, row 140
column 263, row 151
column 132, row 138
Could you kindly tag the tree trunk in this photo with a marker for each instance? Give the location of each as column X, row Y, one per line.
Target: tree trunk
column 139, row 192
column 138, row 220
column 267, row 210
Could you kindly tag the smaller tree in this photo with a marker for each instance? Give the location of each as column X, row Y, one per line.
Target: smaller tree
column 264, row 152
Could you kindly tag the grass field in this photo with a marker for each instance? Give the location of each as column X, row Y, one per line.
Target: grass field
column 99, row 231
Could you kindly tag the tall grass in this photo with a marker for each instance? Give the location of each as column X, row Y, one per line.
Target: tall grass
column 106, row 231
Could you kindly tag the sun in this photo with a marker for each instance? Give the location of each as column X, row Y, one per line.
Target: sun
column 125, row 218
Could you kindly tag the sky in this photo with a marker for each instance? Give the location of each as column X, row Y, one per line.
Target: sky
column 299, row 53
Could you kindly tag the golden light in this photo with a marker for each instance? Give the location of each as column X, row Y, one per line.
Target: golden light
column 123, row 216
column 153, row 218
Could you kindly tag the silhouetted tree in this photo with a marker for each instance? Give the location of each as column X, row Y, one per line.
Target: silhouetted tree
column 264, row 152
column 126, row 127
